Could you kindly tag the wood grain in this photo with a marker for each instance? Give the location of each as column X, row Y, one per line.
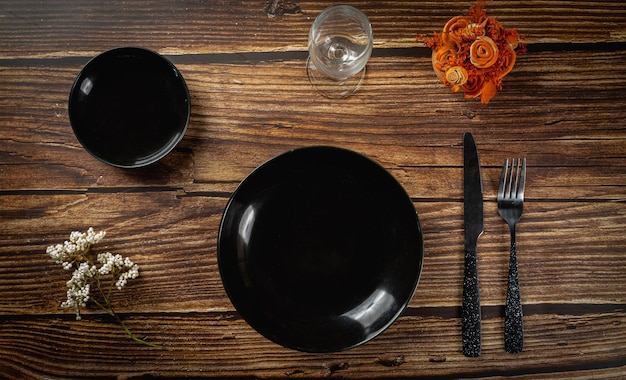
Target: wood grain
column 559, row 262
column 424, row 134
column 30, row 30
column 562, row 108
column 204, row 344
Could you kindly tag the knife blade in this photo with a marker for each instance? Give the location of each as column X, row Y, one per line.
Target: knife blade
column 473, row 226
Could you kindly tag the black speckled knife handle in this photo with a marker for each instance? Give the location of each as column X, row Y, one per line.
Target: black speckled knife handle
column 471, row 306
column 513, row 316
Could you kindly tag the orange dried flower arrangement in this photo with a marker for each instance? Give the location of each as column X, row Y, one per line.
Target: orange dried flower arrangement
column 474, row 52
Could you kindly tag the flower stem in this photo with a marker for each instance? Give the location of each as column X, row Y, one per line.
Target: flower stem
column 138, row 340
column 109, row 310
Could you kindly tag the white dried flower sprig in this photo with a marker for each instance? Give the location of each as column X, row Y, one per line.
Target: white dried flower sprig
column 67, row 253
column 76, row 254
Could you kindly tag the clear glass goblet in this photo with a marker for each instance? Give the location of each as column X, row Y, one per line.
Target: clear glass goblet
column 340, row 44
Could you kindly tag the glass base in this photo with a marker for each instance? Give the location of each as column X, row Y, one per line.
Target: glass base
column 333, row 88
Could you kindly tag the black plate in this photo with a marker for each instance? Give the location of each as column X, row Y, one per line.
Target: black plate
column 320, row 249
column 129, row 107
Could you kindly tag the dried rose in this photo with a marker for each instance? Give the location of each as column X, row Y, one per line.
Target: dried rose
column 474, row 86
column 483, row 52
column 456, row 76
column 453, row 30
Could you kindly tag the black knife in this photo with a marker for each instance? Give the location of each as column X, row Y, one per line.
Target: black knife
column 473, row 216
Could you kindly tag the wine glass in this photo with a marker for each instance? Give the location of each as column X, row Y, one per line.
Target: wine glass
column 340, row 44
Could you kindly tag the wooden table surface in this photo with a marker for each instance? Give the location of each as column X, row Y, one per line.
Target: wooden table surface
column 563, row 107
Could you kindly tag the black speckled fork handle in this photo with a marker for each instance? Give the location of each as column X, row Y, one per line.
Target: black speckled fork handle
column 513, row 316
column 470, row 324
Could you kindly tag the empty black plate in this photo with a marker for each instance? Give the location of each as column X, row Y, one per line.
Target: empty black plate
column 129, row 107
column 320, row 249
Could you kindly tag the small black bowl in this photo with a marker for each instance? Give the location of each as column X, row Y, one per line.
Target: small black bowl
column 320, row 249
column 129, row 107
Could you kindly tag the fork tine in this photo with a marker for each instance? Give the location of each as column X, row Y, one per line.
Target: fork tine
column 522, row 181
column 507, row 190
column 511, row 186
column 502, row 185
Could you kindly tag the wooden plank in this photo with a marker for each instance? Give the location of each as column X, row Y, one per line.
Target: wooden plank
column 34, row 29
column 570, row 252
column 553, row 129
column 222, row 345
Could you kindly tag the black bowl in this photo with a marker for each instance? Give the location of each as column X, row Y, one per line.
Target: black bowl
column 320, row 249
column 129, row 107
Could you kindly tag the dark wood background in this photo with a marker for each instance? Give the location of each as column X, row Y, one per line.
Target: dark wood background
column 563, row 107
